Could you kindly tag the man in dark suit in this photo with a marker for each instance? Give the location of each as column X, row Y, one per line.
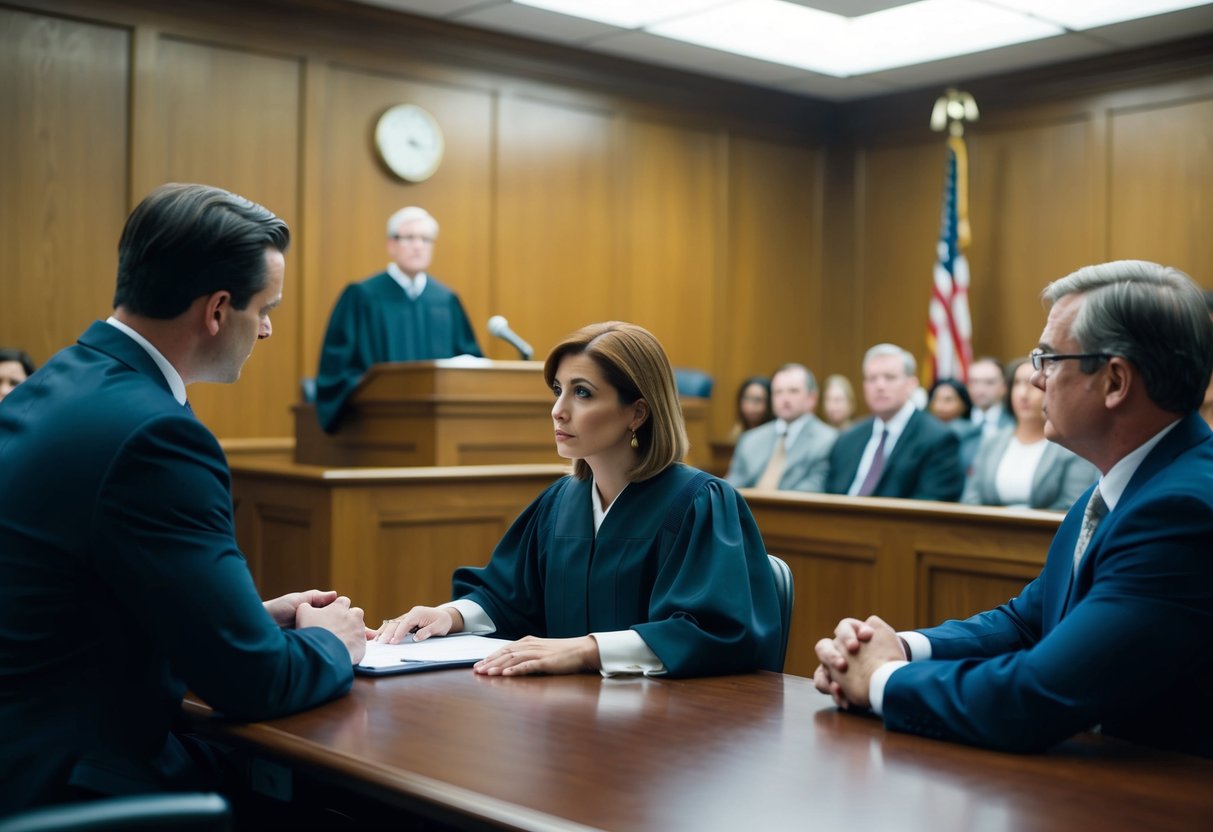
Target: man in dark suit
column 899, row 451
column 987, row 385
column 122, row 580
column 792, row 452
column 1115, row 630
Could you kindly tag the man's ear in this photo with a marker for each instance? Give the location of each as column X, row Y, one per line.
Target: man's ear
column 216, row 309
column 640, row 414
column 1119, row 382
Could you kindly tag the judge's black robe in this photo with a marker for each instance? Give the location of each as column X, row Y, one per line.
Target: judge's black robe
column 376, row 321
column 695, row 583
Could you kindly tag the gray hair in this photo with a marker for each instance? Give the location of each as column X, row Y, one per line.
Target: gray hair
column 810, row 381
column 881, row 350
column 1154, row 317
column 411, row 213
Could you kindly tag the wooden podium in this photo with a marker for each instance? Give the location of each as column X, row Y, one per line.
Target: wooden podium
column 452, row 411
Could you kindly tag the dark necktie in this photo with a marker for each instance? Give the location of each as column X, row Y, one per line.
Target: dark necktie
column 876, row 468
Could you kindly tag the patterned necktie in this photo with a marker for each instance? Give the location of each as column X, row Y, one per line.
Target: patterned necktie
column 774, row 470
column 1095, row 511
column 875, row 469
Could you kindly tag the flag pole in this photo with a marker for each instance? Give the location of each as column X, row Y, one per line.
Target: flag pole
column 949, row 326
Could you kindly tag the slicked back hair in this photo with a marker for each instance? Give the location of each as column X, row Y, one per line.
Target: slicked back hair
column 186, row 241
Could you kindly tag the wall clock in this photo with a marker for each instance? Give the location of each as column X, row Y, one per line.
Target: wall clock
column 409, row 142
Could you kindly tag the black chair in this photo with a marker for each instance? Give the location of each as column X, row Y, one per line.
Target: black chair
column 693, row 383
column 187, row 812
column 786, row 591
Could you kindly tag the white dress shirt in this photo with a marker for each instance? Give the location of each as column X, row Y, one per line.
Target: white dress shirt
column 412, row 286
column 175, row 384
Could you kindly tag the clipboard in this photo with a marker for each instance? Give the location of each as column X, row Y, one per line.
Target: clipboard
column 435, row 653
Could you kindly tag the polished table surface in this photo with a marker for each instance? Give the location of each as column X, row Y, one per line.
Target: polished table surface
column 761, row 751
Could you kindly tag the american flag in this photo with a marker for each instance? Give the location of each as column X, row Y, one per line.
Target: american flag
column 949, row 327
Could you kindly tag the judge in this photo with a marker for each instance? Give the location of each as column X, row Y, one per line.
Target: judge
column 635, row 563
column 400, row 314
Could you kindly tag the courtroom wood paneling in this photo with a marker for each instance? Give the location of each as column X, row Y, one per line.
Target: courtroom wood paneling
column 557, row 228
column 576, row 187
column 63, row 141
column 770, row 311
column 351, row 194
column 387, row 538
column 899, row 194
column 670, row 221
column 1161, row 174
column 1019, row 245
column 230, row 118
column 958, row 587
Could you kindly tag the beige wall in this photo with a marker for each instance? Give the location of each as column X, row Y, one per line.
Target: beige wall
column 744, row 228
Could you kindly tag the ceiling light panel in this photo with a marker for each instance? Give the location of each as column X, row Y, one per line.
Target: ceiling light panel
column 1087, row 14
column 628, row 14
column 794, row 35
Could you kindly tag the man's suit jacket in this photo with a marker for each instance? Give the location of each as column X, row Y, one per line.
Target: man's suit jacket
column 924, row 465
column 1127, row 646
column 1059, row 478
column 808, row 460
column 123, row 583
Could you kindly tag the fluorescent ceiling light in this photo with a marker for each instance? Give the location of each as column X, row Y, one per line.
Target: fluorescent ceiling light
column 627, row 14
column 786, row 33
column 831, row 44
column 1087, row 14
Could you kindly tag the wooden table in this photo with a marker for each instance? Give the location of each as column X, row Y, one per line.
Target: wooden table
column 757, row 752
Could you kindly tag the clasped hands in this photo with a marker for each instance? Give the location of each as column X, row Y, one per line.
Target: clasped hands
column 849, row 659
column 519, row 658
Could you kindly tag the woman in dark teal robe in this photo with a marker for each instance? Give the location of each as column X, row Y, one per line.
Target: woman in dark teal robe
column 634, row 564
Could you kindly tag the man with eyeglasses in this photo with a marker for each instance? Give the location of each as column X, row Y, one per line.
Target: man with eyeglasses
column 400, row 314
column 1115, row 632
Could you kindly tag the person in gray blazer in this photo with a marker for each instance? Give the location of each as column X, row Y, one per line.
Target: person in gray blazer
column 791, row 453
column 1017, row 465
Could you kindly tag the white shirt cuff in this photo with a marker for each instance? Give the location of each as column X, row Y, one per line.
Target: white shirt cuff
column 625, row 652
column 920, row 645
column 475, row 619
column 880, row 678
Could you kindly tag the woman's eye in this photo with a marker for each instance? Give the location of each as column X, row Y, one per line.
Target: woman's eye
column 582, row 392
column 555, row 391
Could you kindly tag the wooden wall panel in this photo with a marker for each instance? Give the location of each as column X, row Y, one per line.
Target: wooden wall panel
column 573, row 192
column 230, row 118
column 351, row 194
column 556, row 235
column 670, row 215
column 1035, row 217
column 899, row 193
column 63, row 141
column 770, row 310
column 1161, row 172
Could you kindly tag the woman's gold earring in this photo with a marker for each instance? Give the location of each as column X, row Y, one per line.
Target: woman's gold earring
column 635, row 444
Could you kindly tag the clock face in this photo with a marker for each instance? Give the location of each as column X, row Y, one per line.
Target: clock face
column 409, row 142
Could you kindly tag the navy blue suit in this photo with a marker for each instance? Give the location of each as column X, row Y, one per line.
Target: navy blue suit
column 924, row 465
column 122, row 583
column 1128, row 647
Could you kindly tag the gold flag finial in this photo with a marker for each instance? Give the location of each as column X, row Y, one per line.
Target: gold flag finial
column 952, row 110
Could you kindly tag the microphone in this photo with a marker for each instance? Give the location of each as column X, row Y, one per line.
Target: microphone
column 500, row 327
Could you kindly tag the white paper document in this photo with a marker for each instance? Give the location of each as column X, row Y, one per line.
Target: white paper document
column 466, row 648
